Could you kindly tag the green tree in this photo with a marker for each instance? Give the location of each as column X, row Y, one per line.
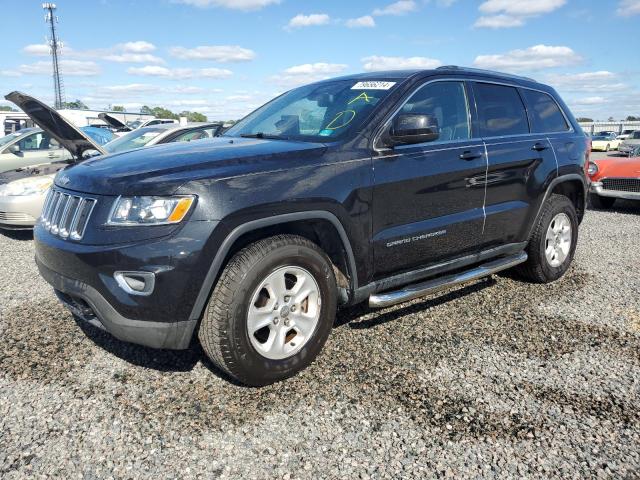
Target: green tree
column 632, row 118
column 194, row 116
column 161, row 112
column 7, row 108
column 584, row 119
column 146, row 110
column 117, row 108
column 77, row 104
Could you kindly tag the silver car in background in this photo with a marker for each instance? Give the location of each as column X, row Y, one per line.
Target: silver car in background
column 633, row 141
column 23, row 191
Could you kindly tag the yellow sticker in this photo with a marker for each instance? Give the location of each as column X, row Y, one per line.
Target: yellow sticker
column 362, row 96
column 345, row 117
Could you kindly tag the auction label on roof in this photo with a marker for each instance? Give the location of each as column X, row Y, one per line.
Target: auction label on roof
column 374, row 85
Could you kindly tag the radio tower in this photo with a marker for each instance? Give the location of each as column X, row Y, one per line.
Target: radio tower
column 51, row 19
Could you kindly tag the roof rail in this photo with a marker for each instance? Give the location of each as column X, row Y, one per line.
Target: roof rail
column 481, row 70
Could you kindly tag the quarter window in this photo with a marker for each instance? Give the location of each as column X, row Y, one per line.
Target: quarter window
column 500, row 110
column 545, row 113
column 447, row 103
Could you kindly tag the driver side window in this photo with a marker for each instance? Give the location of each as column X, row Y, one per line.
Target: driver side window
column 35, row 141
column 447, row 103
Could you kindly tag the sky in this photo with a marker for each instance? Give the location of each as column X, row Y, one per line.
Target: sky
column 225, row 58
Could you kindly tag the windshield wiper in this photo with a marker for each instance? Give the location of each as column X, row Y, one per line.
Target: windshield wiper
column 263, row 135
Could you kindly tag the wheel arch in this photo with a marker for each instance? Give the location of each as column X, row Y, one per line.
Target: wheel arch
column 321, row 227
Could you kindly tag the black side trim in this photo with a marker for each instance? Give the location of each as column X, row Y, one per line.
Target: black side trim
column 216, row 265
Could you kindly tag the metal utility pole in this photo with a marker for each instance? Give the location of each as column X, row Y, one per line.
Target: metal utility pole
column 51, row 19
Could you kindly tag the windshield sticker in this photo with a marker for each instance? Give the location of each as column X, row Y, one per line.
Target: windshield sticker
column 362, row 96
column 325, row 133
column 375, row 85
column 341, row 120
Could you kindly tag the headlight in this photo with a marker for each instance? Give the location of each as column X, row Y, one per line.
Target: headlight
column 27, row 186
column 592, row 169
column 133, row 211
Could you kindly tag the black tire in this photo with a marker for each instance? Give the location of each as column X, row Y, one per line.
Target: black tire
column 601, row 203
column 223, row 330
column 537, row 269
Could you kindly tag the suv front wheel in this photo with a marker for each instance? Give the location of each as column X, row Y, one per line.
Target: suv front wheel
column 553, row 241
column 271, row 310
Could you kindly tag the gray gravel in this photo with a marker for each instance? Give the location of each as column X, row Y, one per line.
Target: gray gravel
column 499, row 379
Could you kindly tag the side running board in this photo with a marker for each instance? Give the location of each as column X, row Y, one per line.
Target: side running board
column 411, row 292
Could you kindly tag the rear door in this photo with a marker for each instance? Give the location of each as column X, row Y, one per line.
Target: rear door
column 428, row 197
column 519, row 163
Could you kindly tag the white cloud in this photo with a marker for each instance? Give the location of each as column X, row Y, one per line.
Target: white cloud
column 376, row 62
column 67, row 67
column 402, row 7
column 586, row 82
column 311, row 20
column 513, row 13
column 244, row 5
column 179, row 73
column 218, row 53
column 589, row 101
column 628, row 8
column 533, row 58
column 139, row 46
column 10, row 73
column 38, row 50
column 133, row 58
column 307, row 73
column 366, row 21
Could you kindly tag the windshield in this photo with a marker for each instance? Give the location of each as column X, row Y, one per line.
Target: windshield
column 134, row 125
column 11, row 137
column 319, row 112
column 132, row 140
column 599, row 137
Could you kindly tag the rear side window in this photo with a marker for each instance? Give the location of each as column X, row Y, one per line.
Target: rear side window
column 500, row 110
column 545, row 113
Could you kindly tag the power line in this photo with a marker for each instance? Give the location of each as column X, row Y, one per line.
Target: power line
column 55, row 46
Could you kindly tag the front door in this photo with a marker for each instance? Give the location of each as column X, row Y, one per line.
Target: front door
column 428, row 198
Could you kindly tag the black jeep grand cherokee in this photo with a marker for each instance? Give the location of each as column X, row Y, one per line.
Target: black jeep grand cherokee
column 380, row 187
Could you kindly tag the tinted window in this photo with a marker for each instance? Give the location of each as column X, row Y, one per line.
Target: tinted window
column 545, row 113
column 37, row 141
column 447, row 102
column 500, row 110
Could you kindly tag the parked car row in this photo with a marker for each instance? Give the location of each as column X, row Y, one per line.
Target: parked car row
column 606, row 141
column 30, row 158
column 615, row 178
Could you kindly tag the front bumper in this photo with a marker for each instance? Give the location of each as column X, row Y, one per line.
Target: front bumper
column 86, row 303
column 84, row 277
column 20, row 213
column 597, row 189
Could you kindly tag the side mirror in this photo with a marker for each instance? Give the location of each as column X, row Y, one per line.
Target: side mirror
column 411, row 128
column 15, row 149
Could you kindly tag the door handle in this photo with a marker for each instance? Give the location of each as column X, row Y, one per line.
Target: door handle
column 539, row 147
column 469, row 155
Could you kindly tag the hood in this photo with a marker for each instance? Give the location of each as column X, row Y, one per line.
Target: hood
column 32, row 171
column 113, row 122
column 618, row 167
column 69, row 136
column 161, row 169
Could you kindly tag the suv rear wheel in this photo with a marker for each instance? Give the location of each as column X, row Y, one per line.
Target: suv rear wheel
column 271, row 310
column 553, row 241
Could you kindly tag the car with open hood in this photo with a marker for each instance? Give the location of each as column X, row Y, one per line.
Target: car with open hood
column 23, row 189
column 615, row 178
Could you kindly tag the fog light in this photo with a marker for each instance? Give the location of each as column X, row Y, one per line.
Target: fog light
column 136, row 283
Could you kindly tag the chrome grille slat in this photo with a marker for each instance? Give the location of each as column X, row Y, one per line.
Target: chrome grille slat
column 66, row 215
column 622, row 184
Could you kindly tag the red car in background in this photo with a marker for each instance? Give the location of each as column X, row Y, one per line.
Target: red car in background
column 613, row 178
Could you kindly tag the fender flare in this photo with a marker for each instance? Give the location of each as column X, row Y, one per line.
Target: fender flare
column 225, row 247
column 569, row 177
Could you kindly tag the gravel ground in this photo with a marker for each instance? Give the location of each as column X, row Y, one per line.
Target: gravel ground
column 499, row 379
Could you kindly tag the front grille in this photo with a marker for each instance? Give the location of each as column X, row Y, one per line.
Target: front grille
column 66, row 215
column 622, row 184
